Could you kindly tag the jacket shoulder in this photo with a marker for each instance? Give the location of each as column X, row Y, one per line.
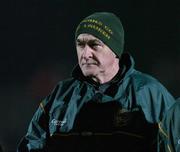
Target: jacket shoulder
column 141, row 80
column 60, row 88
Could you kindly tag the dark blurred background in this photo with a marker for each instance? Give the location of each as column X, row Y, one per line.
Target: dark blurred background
column 37, row 50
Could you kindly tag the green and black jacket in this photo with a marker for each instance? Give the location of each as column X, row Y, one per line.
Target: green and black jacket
column 169, row 130
column 82, row 115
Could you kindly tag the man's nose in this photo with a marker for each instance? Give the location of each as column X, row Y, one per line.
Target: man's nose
column 87, row 53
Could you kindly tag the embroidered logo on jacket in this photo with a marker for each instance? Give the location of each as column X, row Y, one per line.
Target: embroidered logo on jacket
column 178, row 141
column 58, row 122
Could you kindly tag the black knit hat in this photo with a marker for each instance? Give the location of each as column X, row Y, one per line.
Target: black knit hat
column 105, row 26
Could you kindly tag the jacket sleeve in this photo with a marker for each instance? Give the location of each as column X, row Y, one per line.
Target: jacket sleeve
column 169, row 130
column 155, row 100
column 36, row 136
column 38, row 130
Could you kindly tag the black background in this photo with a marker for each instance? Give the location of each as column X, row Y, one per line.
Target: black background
column 37, row 50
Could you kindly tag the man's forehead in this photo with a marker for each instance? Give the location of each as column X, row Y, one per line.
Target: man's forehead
column 87, row 37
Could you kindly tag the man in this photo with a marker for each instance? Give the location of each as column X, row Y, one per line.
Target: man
column 169, row 130
column 107, row 104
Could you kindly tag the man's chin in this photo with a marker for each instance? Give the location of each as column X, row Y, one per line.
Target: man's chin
column 88, row 73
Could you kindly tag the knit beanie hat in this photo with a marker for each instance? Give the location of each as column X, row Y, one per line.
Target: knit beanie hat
column 105, row 26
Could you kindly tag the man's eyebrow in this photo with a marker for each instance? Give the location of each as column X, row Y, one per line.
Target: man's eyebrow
column 81, row 41
column 91, row 40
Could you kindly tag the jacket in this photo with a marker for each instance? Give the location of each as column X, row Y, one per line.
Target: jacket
column 169, row 130
column 128, row 108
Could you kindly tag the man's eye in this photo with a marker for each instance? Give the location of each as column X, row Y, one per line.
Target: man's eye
column 80, row 44
column 94, row 45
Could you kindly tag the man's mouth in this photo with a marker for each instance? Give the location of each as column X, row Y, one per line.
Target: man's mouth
column 89, row 64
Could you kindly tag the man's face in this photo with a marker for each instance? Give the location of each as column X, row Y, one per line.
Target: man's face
column 94, row 57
